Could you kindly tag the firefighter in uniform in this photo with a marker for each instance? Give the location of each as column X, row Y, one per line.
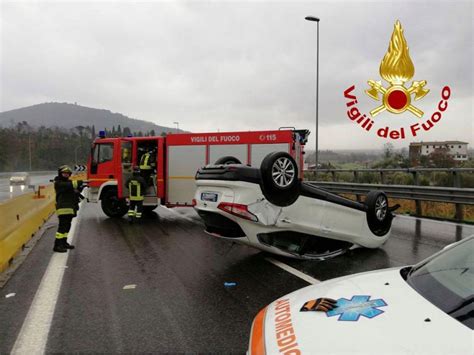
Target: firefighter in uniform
column 67, row 205
column 136, row 188
column 147, row 166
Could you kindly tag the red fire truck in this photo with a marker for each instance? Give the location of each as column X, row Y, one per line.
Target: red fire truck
column 178, row 157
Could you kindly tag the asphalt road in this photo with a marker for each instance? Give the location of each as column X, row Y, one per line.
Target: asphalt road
column 180, row 303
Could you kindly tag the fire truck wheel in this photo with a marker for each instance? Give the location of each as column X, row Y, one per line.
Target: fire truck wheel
column 379, row 216
column 227, row 160
column 280, row 184
column 112, row 205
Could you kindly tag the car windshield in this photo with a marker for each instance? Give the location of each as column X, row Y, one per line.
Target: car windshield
column 447, row 280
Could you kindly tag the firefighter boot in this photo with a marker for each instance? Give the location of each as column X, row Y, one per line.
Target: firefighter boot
column 59, row 246
column 67, row 245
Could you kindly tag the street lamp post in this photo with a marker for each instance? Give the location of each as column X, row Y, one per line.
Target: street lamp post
column 316, row 19
column 29, row 148
column 177, row 126
column 75, row 154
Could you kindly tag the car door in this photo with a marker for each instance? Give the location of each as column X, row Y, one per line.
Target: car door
column 341, row 221
column 304, row 216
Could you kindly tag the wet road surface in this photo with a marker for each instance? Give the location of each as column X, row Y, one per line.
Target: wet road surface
column 8, row 191
column 180, row 303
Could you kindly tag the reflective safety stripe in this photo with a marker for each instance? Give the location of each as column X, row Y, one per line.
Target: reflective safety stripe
column 135, row 190
column 61, row 235
column 74, row 184
column 144, row 165
column 138, row 215
column 101, row 180
column 131, row 213
column 182, row 177
column 63, row 211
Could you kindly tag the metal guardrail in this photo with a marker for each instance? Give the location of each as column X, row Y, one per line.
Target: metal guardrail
column 393, row 170
column 455, row 194
column 415, row 172
column 408, row 192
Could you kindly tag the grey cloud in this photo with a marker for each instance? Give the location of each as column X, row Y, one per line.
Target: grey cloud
column 229, row 65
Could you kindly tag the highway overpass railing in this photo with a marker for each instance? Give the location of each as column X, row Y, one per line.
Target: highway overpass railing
column 456, row 194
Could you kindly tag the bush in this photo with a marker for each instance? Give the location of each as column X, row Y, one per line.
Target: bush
column 442, row 179
column 400, row 178
column 423, row 181
column 369, row 178
column 467, row 180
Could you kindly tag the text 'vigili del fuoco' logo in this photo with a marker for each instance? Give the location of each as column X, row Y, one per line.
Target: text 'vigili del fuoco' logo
column 397, row 69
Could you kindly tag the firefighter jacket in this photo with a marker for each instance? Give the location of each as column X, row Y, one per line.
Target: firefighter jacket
column 136, row 188
column 67, row 195
column 147, row 161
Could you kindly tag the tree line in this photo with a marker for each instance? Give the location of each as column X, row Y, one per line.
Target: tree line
column 26, row 148
column 387, row 158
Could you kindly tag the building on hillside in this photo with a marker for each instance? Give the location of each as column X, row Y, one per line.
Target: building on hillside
column 456, row 149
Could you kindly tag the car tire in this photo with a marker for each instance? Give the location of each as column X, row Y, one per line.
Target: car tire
column 227, row 160
column 279, row 179
column 379, row 216
column 112, row 205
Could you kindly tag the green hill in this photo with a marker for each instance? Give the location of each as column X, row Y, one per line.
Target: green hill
column 66, row 115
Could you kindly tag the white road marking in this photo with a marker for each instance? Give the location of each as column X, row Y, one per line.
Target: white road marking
column 34, row 332
column 293, row 271
column 176, row 213
column 129, row 287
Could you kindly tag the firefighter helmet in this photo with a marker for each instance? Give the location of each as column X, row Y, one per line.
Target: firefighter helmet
column 64, row 169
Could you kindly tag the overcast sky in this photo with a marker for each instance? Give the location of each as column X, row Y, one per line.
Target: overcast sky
column 237, row 65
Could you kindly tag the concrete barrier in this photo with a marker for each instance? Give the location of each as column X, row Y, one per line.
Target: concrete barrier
column 20, row 219
column 81, row 175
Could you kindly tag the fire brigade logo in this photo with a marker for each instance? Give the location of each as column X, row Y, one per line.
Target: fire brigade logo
column 397, row 68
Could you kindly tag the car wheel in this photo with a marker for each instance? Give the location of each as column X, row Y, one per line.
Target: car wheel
column 227, row 160
column 280, row 184
column 112, row 205
column 379, row 216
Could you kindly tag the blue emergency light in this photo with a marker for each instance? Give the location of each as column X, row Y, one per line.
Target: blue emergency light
column 101, row 134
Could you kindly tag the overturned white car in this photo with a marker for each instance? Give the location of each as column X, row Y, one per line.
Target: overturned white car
column 272, row 209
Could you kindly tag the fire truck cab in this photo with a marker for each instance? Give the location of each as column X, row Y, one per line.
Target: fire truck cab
column 177, row 157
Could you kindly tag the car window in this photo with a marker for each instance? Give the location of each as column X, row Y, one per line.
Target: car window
column 447, row 280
